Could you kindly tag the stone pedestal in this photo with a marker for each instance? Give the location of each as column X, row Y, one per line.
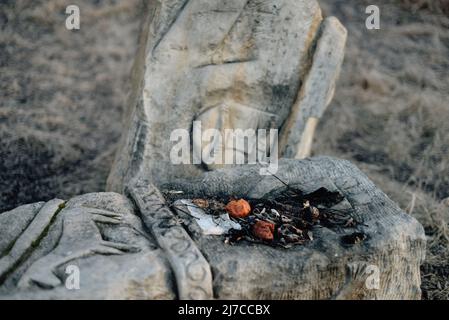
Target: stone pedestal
column 137, row 248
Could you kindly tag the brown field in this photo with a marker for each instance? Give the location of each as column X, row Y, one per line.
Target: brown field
column 62, row 97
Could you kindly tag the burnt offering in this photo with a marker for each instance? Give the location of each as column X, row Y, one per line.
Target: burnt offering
column 282, row 221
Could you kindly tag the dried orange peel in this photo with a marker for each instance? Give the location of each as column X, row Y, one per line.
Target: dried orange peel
column 264, row 230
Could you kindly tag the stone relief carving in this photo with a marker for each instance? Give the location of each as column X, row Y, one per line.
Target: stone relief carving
column 239, row 64
column 235, row 64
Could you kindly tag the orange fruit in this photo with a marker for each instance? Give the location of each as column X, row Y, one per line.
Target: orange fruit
column 264, row 230
column 238, row 208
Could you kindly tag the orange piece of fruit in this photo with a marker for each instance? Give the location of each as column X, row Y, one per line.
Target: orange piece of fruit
column 264, row 230
column 238, row 208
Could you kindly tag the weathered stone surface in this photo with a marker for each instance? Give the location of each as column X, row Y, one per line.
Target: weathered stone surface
column 191, row 270
column 101, row 235
column 15, row 222
column 326, row 268
column 234, row 64
column 34, row 231
column 316, row 92
column 145, row 252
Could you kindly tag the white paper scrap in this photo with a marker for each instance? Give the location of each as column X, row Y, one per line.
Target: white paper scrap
column 209, row 224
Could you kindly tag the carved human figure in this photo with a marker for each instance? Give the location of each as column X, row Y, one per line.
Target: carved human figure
column 231, row 64
column 235, row 64
column 140, row 248
column 98, row 233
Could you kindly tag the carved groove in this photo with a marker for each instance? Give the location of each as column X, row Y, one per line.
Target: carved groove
column 191, row 269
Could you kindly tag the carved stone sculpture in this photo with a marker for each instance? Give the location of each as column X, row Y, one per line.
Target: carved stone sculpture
column 138, row 248
column 99, row 233
column 234, row 64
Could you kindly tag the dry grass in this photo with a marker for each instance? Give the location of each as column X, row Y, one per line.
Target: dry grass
column 62, row 93
column 438, row 6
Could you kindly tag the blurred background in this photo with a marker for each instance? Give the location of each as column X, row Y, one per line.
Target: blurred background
column 62, row 98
